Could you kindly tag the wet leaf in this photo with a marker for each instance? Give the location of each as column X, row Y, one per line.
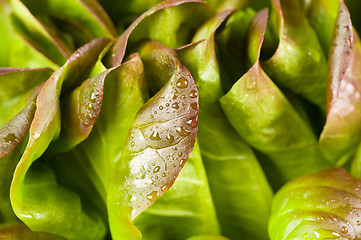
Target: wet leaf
column 341, row 133
column 158, row 144
column 325, row 205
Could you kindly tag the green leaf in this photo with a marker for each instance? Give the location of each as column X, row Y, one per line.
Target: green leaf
column 38, row 35
column 322, row 16
column 184, row 210
column 86, row 14
column 325, row 205
column 207, row 237
column 158, row 144
column 298, row 63
column 166, row 23
column 22, row 232
column 231, row 42
column 15, row 83
column 263, row 116
column 342, row 131
column 231, row 165
column 54, row 209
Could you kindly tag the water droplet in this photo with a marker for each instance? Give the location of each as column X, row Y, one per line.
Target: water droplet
column 144, row 175
column 166, row 187
column 193, row 94
column 156, row 169
column 194, row 106
column 182, row 162
column 93, row 96
column 156, row 177
column 160, row 107
column 153, row 164
column 77, row 54
column 175, row 105
column 358, row 222
column 167, row 104
column 155, row 112
column 132, row 144
column 183, row 96
column 182, row 131
column 153, row 196
column 193, row 122
column 174, row 97
column 182, row 82
column 151, row 116
column 170, row 138
column 174, row 165
column 306, row 235
column 163, row 174
column 10, row 137
column 180, row 154
column 155, row 136
column 344, row 229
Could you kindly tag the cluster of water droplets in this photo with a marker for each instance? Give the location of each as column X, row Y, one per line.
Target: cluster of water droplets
column 161, row 140
column 91, row 97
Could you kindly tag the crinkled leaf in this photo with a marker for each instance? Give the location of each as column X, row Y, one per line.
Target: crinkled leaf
column 14, row 84
column 342, row 130
column 322, row 16
column 38, row 35
column 85, row 15
column 36, row 197
column 263, row 116
column 184, row 210
column 232, row 168
column 158, row 144
column 231, row 42
column 298, row 63
column 326, row 205
column 167, row 23
column 22, row 232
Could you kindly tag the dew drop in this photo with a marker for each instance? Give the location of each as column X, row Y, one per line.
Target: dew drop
column 344, row 229
column 167, row 104
column 306, row 235
column 156, row 177
column 194, row 106
column 156, row 169
column 174, row 97
column 153, row 196
column 180, row 154
column 170, row 138
column 165, row 187
column 155, row 112
column 358, row 223
column 144, row 175
column 182, row 131
column 193, row 122
column 77, row 54
column 155, row 136
column 174, row 165
column 164, row 175
column 10, row 137
column 151, row 116
column 182, row 82
column 153, row 164
column 132, row 144
column 160, row 107
column 182, row 162
column 193, row 94
column 175, row 105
